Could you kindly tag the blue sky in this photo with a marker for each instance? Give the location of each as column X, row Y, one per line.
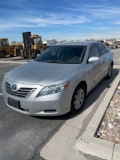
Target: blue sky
column 64, row 19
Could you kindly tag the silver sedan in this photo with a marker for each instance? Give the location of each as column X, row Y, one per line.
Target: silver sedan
column 58, row 80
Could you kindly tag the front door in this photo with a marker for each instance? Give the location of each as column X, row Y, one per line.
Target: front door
column 93, row 70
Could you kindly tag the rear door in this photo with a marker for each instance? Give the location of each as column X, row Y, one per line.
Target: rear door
column 104, row 58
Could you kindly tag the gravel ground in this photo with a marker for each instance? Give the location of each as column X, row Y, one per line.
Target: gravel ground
column 110, row 125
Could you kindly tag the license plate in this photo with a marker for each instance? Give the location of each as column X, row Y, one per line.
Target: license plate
column 14, row 103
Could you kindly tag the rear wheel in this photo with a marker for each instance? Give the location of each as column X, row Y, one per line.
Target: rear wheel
column 78, row 99
column 11, row 55
column 2, row 54
column 109, row 72
column 38, row 52
column 18, row 52
column 34, row 54
column 24, row 54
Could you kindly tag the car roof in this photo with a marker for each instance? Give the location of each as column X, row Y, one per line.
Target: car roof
column 83, row 43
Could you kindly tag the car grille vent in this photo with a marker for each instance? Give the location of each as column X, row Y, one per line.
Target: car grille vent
column 21, row 92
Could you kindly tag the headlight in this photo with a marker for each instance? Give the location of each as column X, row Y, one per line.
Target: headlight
column 53, row 89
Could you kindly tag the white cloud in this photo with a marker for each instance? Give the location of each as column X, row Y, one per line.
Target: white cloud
column 58, row 20
column 93, row 28
column 43, row 21
column 97, row 11
column 15, row 25
column 117, row 22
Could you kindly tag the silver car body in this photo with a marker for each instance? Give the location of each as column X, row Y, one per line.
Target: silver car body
column 34, row 76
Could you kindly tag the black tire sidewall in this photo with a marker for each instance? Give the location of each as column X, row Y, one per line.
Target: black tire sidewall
column 3, row 54
column 109, row 76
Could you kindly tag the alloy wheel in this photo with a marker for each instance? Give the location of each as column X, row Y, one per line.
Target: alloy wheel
column 79, row 98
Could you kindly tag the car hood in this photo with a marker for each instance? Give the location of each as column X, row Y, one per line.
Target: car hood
column 42, row 73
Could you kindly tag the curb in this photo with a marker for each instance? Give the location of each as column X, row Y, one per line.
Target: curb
column 16, row 62
column 90, row 144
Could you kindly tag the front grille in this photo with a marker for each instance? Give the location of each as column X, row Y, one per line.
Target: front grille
column 21, row 92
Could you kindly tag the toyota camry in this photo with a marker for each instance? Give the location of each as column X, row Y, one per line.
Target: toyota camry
column 57, row 81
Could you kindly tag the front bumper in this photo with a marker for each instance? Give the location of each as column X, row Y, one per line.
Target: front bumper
column 49, row 105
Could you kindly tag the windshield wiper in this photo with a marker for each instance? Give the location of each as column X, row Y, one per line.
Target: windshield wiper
column 48, row 61
column 53, row 61
column 39, row 60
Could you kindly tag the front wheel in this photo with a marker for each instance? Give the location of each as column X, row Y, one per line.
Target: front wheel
column 78, row 99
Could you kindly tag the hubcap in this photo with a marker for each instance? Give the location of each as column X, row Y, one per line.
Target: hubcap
column 79, row 98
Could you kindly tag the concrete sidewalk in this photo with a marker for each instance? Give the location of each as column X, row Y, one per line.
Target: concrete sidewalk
column 75, row 140
column 89, row 143
column 14, row 62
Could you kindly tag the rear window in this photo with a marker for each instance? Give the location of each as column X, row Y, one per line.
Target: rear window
column 102, row 49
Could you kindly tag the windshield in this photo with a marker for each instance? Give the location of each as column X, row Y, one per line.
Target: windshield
column 63, row 54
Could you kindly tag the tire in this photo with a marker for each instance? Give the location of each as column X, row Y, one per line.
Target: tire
column 24, row 55
column 34, row 55
column 38, row 52
column 3, row 54
column 17, row 52
column 11, row 55
column 109, row 72
column 78, row 99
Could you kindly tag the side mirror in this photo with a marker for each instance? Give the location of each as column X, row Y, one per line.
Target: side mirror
column 93, row 59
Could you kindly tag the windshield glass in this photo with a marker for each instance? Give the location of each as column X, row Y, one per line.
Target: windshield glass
column 63, row 54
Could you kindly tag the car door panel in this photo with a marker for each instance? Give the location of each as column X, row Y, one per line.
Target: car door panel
column 93, row 74
column 93, row 69
column 105, row 58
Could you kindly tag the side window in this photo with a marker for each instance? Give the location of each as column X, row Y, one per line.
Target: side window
column 7, row 42
column 94, row 51
column 4, row 43
column 102, row 49
column 39, row 41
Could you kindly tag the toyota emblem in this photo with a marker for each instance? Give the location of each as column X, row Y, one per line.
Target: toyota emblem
column 14, row 87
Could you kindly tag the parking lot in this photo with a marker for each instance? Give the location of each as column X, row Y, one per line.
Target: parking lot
column 22, row 136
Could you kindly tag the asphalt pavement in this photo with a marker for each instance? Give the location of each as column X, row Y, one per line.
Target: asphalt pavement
column 116, row 56
column 21, row 136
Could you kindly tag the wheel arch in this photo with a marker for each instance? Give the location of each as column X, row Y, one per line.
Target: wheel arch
column 82, row 83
